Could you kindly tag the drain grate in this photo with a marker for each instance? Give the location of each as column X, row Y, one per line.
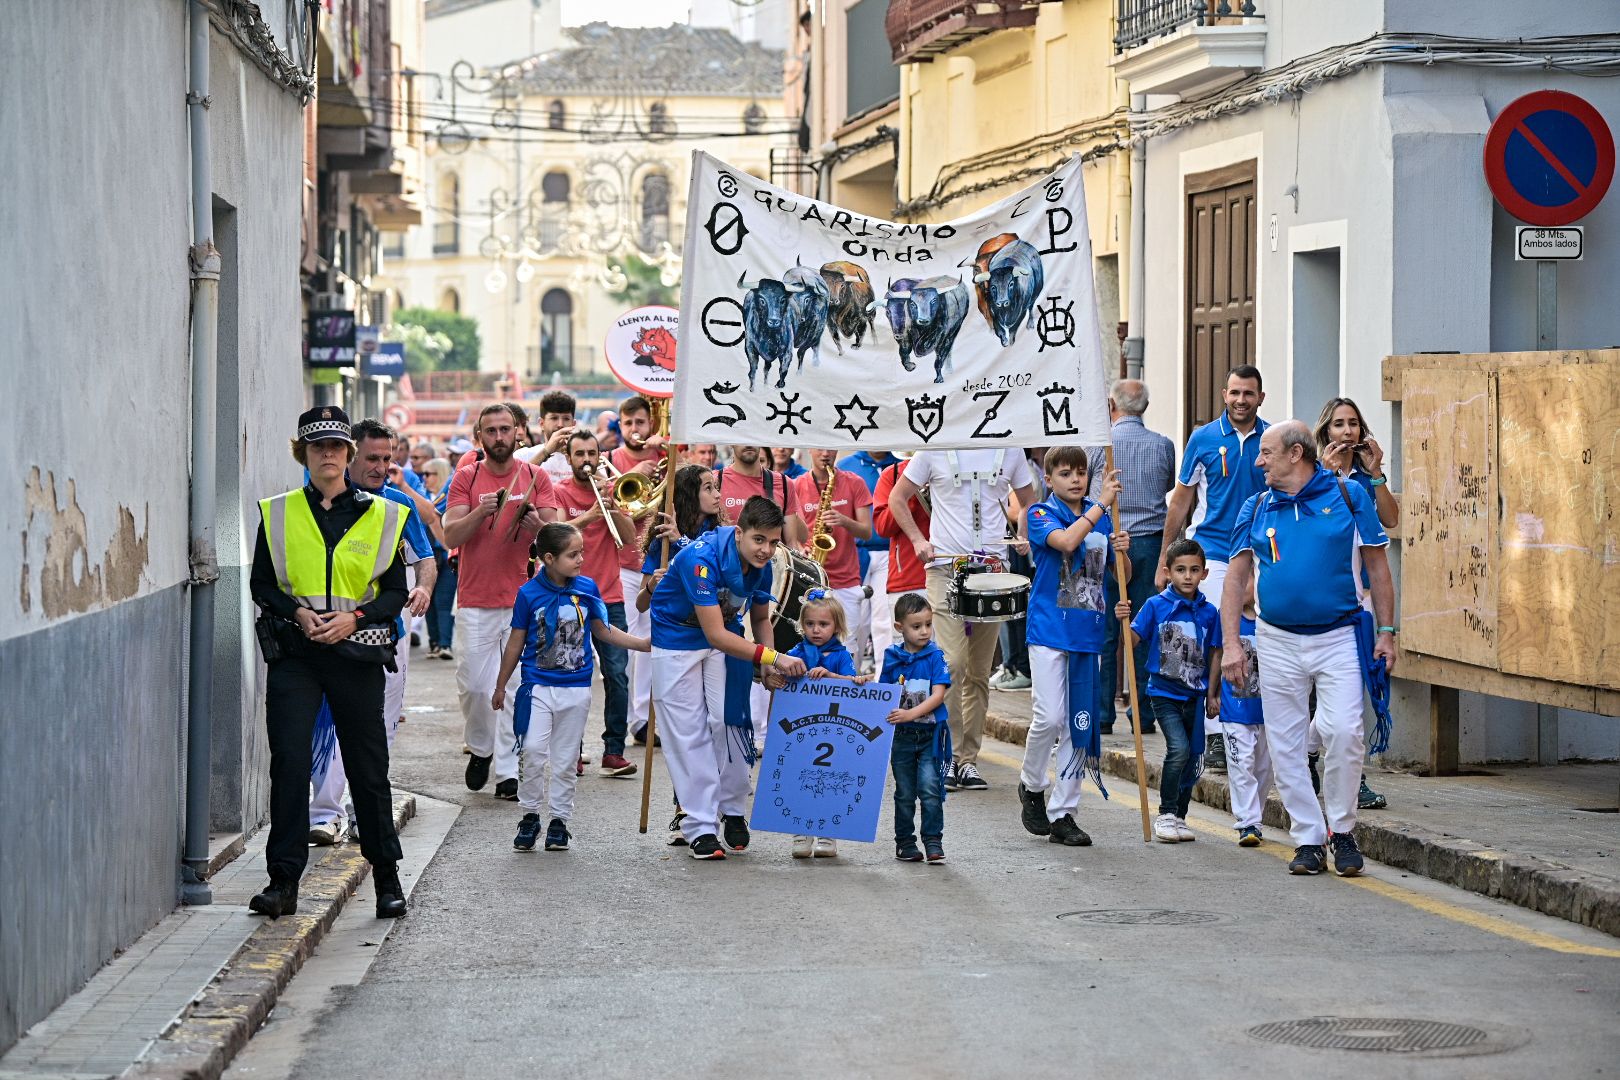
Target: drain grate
column 1146, row 917
column 1382, row 1034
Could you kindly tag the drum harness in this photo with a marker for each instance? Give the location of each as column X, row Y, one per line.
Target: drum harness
column 976, row 493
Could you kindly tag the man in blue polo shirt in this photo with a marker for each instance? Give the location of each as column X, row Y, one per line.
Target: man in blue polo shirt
column 1218, row 468
column 374, row 446
column 876, row 632
column 1309, row 536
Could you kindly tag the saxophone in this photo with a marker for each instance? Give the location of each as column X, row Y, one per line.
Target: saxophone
column 821, row 539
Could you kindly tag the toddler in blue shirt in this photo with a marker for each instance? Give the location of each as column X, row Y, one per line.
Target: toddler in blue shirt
column 922, row 738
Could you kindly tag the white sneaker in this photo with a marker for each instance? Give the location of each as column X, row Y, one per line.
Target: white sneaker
column 1164, row 829
column 1183, row 831
column 802, row 846
column 826, row 847
column 324, row 834
column 998, row 677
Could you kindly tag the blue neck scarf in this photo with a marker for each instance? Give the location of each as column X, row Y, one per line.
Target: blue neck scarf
column 817, row 657
column 738, row 712
column 898, row 659
column 1085, row 736
column 1375, row 676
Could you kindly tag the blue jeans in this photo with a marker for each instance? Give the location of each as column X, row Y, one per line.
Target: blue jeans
column 1138, row 587
column 917, row 777
column 1176, row 720
column 441, row 614
column 1014, row 644
column 615, row 687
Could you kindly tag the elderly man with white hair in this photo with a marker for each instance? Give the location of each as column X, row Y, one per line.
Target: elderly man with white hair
column 1308, row 536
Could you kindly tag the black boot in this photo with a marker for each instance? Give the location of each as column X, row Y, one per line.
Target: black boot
column 390, row 894
column 279, row 898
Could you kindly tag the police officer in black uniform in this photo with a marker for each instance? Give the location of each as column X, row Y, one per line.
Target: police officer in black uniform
column 329, row 582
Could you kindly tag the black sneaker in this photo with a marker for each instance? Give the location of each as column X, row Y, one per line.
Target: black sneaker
column 557, row 835
column 707, row 846
column 968, row 778
column 506, row 789
column 935, row 850
column 1368, row 799
column 907, row 851
column 528, row 832
column 676, row 837
column 1215, row 753
column 1308, row 859
column 1067, row 833
column 1347, row 861
column 1034, row 813
column 950, row 776
column 278, row 898
column 390, row 893
column 1313, row 763
column 478, row 772
column 735, row 830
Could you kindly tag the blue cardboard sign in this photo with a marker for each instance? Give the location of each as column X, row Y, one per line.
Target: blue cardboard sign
column 826, row 759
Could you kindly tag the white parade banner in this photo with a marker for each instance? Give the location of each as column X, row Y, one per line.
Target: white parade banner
column 811, row 326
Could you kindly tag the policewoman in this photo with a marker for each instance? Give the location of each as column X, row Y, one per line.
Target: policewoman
column 329, row 582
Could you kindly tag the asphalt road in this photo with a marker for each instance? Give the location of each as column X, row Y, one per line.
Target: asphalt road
column 623, row 957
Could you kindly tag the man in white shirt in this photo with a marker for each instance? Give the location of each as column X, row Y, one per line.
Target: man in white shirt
column 556, row 424
column 968, row 492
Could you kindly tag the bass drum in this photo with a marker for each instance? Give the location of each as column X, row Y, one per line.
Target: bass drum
column 792, row 575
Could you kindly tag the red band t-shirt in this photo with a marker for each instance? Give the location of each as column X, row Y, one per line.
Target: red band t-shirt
column 493, row 567
column 601, row 557
column 849, row 495
column 736, row 489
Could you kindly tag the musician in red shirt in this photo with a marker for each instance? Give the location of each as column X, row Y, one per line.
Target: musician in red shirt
column 496, row 506
column 642, row 452
column 906, row 571
column 848, row 518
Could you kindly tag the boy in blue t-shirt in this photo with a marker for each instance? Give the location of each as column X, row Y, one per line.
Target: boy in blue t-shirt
column 922, row 738
column 1248, row 765
column 1069, row 538
column 557, row 613
column 1182, row 630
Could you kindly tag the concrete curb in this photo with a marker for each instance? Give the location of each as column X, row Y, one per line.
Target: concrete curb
column 1539, row 884
column 227, row 1013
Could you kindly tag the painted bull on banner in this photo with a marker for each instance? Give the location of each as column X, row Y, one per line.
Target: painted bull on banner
column 934, row 310
column 767, row 325
column 897, row 306
column 807, row 310
column 851, row 309
column 1008, row 277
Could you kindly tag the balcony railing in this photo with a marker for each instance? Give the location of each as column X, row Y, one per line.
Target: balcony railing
column 565, row 360
column 919, row 30
column 1140, row 21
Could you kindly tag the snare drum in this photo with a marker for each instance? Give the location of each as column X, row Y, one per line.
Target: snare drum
column 990, row 598
column 792, row 575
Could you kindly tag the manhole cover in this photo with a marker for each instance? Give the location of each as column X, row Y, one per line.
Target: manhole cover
column 1389, row 1035
column 1146, row 917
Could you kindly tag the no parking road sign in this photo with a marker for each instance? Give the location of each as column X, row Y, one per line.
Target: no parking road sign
column 1549, row 158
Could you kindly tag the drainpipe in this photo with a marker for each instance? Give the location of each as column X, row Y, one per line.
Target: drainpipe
column 205, row 267
column 1133, row 346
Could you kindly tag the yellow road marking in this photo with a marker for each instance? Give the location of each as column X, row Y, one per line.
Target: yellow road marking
column 1387, row 889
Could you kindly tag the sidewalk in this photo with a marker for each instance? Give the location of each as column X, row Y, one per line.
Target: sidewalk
column 189, row 992
column 1519, row 834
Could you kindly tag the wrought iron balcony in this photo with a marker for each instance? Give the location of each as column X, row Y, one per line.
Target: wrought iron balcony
column 1140, row 21
column 920, row 30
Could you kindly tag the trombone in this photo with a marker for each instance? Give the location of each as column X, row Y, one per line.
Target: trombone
column 601, row 504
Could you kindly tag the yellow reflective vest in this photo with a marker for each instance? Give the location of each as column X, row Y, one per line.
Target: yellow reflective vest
column 344, row 577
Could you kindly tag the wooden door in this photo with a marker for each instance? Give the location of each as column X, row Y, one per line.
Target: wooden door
column 1220, row 297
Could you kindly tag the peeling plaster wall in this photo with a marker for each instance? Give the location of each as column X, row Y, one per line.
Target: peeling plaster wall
column 95, row 372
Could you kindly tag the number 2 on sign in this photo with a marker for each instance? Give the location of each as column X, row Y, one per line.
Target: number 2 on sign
column 824, row 759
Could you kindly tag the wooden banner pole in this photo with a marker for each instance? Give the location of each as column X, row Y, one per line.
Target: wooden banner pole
column 1130, row 675
column 663, row 564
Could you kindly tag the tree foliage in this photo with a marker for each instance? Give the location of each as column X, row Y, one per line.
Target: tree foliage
column 435, row 340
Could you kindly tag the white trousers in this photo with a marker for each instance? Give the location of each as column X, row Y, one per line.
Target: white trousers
column 857, row 610
column 1248, row 771
column 557, row 716
column 1289, row 665
column 331, row 802
column 880, row 608
column 1049, row 732
column 639, row 624
column 480, row 639
column 710, row 776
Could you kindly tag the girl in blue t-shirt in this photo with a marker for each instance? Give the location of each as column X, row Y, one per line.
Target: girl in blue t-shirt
column 1069, row 538
column 556, row 614
column 822, row 626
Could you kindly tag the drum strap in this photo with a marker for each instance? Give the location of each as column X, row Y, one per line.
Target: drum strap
column 975, row 493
